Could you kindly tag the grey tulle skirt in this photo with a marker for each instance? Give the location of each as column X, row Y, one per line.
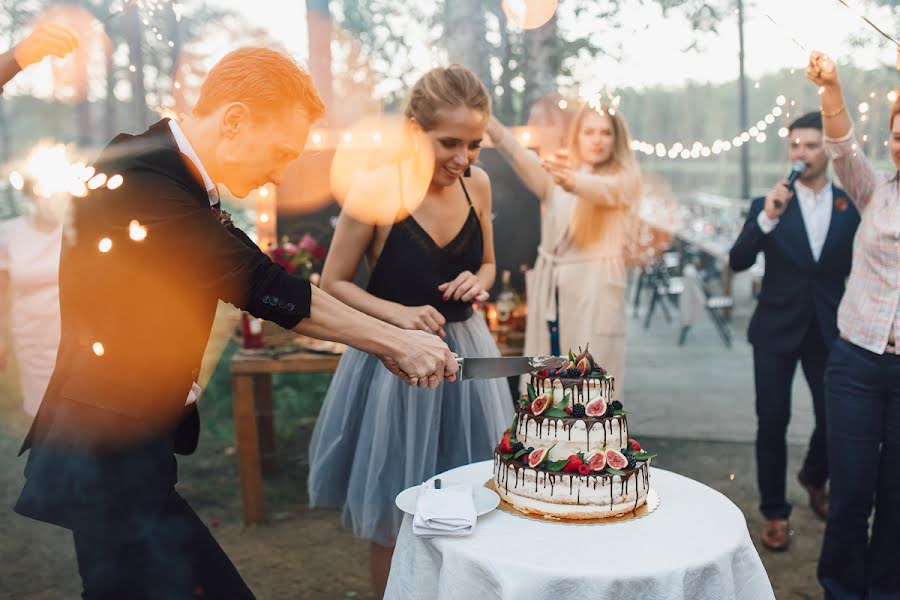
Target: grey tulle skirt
column 376, row 436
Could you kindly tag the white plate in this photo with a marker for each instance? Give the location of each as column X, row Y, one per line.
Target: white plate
column 485, row 500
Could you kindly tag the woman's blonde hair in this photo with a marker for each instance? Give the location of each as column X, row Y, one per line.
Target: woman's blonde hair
column 445, row 88
column 589, row 219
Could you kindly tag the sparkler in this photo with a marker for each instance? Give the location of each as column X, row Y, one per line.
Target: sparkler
column 868, row 21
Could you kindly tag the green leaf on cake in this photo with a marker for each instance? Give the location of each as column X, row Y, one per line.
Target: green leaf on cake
column 556, row 412
column 520, row 453
column 515, row 425
column 532, row 393
column 571, row 357
column 556, row 465
column 565, row 401
column 506, row 456
column 619, row 413
column 614, row 471
column 644, row 455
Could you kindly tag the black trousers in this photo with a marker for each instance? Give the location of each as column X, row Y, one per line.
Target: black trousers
column 774, row 375
column 177, row 559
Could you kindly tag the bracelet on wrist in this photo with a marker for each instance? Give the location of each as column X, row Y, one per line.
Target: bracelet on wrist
column 835, row 112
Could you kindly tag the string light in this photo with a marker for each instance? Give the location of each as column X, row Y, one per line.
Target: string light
column 105, row 245
column 719, row 146
column 98, row 349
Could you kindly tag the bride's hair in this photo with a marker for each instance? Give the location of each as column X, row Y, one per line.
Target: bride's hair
column 445, row 88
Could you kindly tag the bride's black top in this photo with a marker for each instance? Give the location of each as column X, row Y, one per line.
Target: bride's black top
column 412, row 266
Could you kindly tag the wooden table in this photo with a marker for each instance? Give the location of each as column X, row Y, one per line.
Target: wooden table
column 254, row 416
column 254, row 413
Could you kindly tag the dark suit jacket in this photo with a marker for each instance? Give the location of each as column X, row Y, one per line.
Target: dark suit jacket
column 102, row 442
column 796, row 289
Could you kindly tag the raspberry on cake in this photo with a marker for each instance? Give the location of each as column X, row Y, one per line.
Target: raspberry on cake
column 568, row 454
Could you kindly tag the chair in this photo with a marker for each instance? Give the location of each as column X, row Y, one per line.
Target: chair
column 696, row 297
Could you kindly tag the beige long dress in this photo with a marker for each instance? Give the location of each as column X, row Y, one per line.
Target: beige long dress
column 590, row 281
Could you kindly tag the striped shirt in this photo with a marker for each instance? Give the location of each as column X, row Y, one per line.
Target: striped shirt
column 868, row 315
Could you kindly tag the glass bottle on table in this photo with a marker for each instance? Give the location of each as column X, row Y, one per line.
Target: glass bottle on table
column 507, row 300
column 251, row 328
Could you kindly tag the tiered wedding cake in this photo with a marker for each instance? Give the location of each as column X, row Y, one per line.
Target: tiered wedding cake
column 568, row 454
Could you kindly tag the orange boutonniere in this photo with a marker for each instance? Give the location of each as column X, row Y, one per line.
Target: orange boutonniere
column 840, row 204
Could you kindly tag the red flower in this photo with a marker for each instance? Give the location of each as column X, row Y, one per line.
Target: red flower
column 308, row 242
column 840, row 204
column 318, row 253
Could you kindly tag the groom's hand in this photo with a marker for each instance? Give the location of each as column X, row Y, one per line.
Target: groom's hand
column 423, row 361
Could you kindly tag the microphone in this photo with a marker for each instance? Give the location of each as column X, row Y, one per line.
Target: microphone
column 796, row 169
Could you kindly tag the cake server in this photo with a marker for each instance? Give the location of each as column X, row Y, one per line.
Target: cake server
column 507, row 366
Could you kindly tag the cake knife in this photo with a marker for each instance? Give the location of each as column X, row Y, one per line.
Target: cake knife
column 506, row 366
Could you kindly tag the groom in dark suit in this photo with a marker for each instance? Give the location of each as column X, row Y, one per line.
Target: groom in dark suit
column 136, row 315
column 805, row 233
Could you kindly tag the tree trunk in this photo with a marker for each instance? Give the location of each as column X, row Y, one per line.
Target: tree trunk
column 464, row 37
column 503, row 105
column 110, row 126
column 135, row 37
column 542, row 63
column 318, row 24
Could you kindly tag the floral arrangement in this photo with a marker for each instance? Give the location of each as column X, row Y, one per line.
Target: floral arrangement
column 303, row 258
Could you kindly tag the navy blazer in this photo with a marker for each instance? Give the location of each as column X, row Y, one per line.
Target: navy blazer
column 796, row 288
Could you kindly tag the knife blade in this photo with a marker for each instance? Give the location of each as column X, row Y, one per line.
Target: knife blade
column 507, row 366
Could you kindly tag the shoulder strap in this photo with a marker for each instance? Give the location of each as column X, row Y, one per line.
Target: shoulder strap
column 468, row 199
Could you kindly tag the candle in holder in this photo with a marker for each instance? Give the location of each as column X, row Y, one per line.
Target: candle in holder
column 492, row 317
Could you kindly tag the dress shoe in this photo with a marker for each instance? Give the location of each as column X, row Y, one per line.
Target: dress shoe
column 818, row 499
column 776, row 535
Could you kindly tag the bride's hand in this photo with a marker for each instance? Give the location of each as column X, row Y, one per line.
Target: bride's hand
column 465, row 287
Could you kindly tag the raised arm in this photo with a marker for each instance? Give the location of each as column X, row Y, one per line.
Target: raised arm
column 48, row 39
column 850, row 163
column 524, row 162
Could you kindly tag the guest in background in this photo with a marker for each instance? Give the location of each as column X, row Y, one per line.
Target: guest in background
column 48, row 39
column 589, row 197
column 862, row 378
column 374, row 438
column 29, row 293
column 806, row 235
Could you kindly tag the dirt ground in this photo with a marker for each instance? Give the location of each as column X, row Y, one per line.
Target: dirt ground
column 302, row 553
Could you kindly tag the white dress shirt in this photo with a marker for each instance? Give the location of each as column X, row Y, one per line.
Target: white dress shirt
column 816, row 209
column 184, row 146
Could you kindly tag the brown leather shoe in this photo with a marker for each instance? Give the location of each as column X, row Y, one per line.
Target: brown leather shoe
column 818, row 499
column 776, row 535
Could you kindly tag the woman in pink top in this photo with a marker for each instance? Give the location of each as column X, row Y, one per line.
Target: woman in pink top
column 862, row 379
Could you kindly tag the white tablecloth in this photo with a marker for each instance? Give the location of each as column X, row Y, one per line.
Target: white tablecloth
column 695, row 546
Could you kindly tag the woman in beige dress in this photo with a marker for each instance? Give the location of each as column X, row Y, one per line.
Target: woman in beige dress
column 589, row 198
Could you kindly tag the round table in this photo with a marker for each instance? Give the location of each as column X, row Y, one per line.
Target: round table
column 694, row 546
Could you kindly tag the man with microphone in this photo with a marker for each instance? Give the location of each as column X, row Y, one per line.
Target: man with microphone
column 804, row 227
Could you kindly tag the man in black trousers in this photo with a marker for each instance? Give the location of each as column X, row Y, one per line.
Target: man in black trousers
column 139, row 287
column 805, row 233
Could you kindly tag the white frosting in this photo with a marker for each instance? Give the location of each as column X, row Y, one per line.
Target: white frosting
column 586, row 390
column 571, row 495
column 582, row 435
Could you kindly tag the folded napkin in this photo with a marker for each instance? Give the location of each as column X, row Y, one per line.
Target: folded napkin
column 448, row 511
